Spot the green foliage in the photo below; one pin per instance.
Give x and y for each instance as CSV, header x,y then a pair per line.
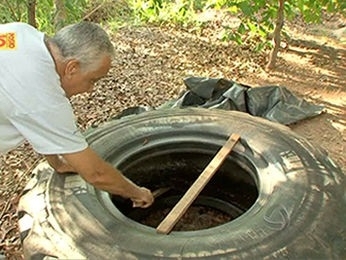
x,y
258,17
312,10
11,11
16,11
45,15
256,20
165,11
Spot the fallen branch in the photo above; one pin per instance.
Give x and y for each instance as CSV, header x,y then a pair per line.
x,y
92,11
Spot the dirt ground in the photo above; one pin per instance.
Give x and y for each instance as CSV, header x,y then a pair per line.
x,y
149,69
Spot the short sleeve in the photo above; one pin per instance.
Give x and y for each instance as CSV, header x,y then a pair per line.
x,y
51,131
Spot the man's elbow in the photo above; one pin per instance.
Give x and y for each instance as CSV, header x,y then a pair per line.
x,y
89,166
94,176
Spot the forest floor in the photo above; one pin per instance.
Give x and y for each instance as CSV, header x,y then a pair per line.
x,y
149,68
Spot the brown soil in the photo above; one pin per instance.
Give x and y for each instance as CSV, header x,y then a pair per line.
x,y
195,218
149,69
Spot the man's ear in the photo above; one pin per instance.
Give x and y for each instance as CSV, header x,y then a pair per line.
x,y
72,67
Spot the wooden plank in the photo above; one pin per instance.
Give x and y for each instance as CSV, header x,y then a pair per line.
x,y
180,208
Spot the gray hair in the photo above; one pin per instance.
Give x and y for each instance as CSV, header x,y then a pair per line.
x,y
86,42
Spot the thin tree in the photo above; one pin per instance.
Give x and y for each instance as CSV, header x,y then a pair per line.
x,y
276,36
32,12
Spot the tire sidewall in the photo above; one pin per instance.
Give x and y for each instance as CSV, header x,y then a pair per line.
x,y
292,178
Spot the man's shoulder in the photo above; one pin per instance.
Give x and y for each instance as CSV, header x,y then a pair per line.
x,y
20,29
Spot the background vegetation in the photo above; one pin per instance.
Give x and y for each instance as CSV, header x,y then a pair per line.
x,y
260,22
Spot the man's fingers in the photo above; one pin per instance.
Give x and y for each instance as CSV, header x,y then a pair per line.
x,y
136,204
145,199
141,204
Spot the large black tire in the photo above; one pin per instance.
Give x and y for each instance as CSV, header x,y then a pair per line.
x,y
299,212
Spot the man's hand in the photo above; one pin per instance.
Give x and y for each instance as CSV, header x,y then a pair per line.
x,y
145,200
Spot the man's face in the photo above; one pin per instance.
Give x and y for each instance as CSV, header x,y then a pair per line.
x,y
75,81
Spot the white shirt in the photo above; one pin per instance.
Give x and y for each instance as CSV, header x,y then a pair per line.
x,y
33,105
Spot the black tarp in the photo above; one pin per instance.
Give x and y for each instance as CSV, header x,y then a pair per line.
x,y
275,103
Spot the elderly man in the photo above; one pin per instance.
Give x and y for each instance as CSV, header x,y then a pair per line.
x,y
37,76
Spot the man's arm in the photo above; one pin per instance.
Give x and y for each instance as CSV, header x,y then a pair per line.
x,y
59,163
104,176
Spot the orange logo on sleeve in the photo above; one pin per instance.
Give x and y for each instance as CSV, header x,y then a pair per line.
x,y
8,41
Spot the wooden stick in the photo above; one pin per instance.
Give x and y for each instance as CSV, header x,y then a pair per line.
x,y
180,208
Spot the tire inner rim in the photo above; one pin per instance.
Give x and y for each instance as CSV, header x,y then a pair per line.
x,y
230,192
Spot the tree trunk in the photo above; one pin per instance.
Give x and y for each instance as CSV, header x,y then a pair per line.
x,y
276,36
60,14
32,12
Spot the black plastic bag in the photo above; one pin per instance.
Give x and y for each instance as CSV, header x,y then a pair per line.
x,y
274,103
